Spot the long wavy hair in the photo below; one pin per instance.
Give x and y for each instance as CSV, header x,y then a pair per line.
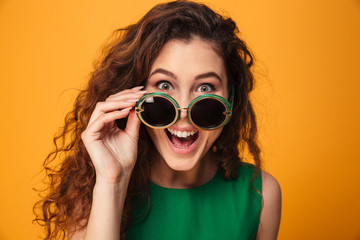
x,y
125,63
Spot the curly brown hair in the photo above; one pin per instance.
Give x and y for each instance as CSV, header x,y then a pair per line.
x,y
126,63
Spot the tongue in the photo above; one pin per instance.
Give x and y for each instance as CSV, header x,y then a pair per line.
x,y
182,142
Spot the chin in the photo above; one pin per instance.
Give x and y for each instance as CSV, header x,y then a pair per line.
x,y
180,165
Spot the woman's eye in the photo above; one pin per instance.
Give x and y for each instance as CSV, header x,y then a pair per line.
x,y
205,88
164,86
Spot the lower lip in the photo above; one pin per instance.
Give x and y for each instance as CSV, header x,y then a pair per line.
x,y
182,151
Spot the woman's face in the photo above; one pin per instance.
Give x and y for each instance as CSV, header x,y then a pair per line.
x,y
185,70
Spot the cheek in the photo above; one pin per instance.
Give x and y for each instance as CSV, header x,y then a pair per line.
x,y
155,135
212,136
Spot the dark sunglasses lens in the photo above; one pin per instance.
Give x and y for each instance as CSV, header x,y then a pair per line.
x,y
208,113
158,111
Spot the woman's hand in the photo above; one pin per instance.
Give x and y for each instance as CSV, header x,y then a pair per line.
x,y
113,151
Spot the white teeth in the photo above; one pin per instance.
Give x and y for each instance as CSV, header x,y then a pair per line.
x,y
181,134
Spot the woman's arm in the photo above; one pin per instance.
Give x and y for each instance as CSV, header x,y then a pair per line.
x,y
271,208
106,211
113,152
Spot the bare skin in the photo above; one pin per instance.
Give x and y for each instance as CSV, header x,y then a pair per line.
x,y
271,208
114,151
183,75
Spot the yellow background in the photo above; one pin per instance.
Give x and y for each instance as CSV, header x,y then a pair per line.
x,y
307,99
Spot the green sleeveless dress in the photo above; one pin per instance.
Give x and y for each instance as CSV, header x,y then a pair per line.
x,y
219,209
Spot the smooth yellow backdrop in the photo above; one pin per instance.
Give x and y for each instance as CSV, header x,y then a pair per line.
x,y
306,97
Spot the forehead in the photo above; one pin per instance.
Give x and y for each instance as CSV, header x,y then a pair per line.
x,y
186,59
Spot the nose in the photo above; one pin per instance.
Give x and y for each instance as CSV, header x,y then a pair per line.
x,y
183,113
184,103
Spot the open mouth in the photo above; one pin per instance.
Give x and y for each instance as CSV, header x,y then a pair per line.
x,y
182,139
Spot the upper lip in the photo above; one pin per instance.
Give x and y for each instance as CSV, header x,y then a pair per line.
x,y
182,133
183,129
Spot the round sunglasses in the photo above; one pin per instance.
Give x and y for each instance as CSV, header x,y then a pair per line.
x,y
206,112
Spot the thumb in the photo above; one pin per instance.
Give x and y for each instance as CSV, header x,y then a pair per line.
x,y
133,125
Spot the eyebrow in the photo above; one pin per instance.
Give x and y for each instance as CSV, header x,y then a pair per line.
x,y
163,71
172,75
209,74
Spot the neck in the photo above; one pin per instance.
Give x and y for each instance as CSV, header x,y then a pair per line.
x,y
201,173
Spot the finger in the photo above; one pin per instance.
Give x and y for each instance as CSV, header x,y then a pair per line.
x,y
133,125
106,107
130,98
102,120
128,95
134,91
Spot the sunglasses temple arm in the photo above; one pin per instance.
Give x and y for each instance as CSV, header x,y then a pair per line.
x,y
232,95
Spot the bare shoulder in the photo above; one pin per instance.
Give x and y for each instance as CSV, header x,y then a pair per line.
x,y
271,208
270,187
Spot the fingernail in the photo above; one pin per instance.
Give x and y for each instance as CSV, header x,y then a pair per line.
x,y
131,100
137,88
126,109
141,92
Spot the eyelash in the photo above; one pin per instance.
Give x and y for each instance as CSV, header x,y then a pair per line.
x,y
211,86
163,82
159,83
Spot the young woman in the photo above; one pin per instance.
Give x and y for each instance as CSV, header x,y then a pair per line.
x,y
155,137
